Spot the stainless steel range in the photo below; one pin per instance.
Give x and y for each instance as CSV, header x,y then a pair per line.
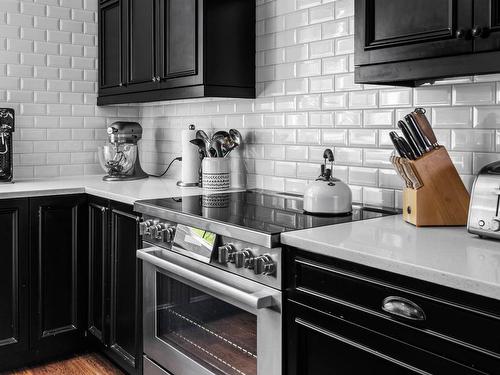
x,y
213,280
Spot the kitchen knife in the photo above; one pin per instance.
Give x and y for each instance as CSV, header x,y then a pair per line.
x,y
406,133
399,169
426,128
394,138
418,136
411,174
406,147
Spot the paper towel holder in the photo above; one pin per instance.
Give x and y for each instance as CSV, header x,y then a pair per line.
x,y
190,184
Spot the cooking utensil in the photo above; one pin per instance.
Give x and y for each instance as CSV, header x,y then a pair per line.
x,y
409,138
236,140
200,143
406,147
399,168
418,136
411,174
217,146
421,119
200,134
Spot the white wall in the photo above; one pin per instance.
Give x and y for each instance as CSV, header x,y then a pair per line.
x,y
306,101
48,74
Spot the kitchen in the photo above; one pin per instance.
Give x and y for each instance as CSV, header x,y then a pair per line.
x,y
326,219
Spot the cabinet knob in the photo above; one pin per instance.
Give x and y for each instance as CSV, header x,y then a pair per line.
x,y
154,79
158,79
461,34
121,84
477,31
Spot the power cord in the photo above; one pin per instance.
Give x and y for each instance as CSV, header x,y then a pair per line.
x,y
166,170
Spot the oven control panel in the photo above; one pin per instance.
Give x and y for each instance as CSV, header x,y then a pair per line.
x,y
254,262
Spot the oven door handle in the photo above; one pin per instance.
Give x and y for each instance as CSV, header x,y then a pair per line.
x,y
260,299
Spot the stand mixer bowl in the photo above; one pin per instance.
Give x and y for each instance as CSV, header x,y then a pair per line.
x,y
118,159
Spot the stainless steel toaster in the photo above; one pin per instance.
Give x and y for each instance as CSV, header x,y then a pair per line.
x,y
484,209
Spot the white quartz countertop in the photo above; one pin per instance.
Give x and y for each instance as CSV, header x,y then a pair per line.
x,y
447,256
122,191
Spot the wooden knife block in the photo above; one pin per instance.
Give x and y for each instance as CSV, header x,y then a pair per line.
x,y
443,199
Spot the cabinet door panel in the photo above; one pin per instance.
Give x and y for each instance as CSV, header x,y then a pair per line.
x,y
58,271
179,38
98,269
487,17
394,30
110,44
141,52
125,288
13,276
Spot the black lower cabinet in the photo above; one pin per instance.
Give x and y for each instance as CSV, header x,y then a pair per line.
x,y
343,318
69,280
115,293
14,220
58,274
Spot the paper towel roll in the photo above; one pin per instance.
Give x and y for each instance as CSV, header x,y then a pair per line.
x,y
190,157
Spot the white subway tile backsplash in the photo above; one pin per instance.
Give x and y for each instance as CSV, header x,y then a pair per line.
x,y
431,96
307,100
478,93
472,140
454,117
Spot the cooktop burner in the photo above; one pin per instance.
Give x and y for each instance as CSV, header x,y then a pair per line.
x,y
259,210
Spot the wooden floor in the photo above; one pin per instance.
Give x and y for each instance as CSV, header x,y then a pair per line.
x,y
85,364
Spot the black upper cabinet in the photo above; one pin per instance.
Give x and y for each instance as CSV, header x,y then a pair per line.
x,y
141,44
406,30
486,25
58,273
111,15
177,49
13,276
412,42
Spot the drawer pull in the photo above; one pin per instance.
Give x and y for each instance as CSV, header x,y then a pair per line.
x,y
403,308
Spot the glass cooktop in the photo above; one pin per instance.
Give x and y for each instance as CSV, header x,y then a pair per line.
x,y
261,210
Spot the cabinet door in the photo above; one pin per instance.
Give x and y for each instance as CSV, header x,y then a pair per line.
x,y
111,44
58,273
178,49
140,43
395,30
98,293
486,29
13,276
126,316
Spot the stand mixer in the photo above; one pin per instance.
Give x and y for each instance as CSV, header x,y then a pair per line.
x,y
120,157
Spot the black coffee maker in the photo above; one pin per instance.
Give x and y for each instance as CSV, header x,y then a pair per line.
x,y
6,129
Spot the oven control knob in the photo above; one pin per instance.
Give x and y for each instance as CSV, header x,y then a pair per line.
x,y
163,232
264,265
495,224
145,226
241,258
225,253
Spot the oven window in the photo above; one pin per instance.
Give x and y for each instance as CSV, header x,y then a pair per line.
x,y
216,334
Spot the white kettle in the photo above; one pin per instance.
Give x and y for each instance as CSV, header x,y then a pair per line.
x,y
328,195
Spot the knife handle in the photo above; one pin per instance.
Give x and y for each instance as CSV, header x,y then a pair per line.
x,y
425,126
406,147
419,137
394,138
411,174
399,168
409,139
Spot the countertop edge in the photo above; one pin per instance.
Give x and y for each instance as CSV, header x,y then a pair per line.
x,y
432,275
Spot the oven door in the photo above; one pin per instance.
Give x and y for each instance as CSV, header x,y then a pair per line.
x,y
200,320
